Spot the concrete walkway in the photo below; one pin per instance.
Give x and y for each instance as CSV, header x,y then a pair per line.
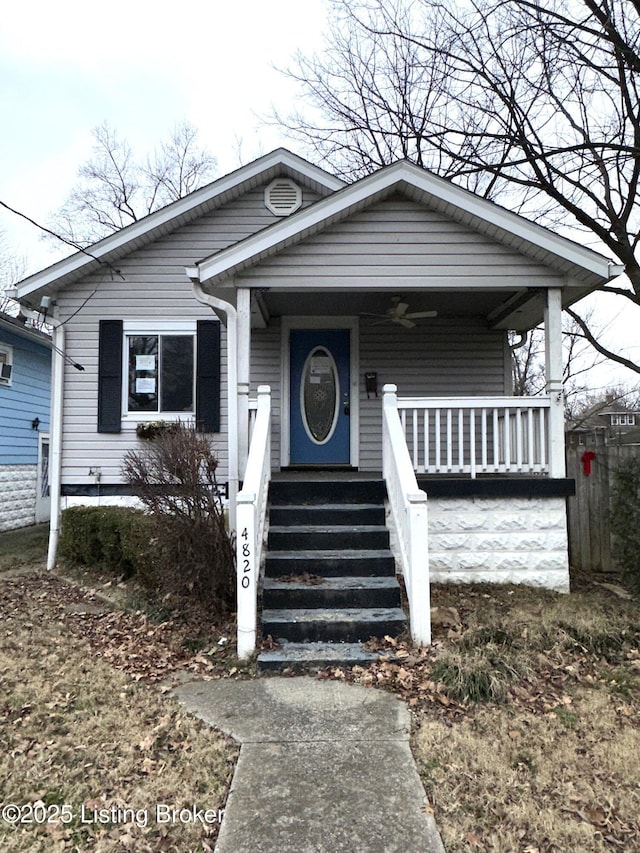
x,y
324,767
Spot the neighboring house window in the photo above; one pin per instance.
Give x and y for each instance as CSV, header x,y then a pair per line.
x,y
6,364
161,373
623,420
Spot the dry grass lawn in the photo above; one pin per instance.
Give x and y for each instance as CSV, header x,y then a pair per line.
x,y
527,718
526,715
511,780
81,727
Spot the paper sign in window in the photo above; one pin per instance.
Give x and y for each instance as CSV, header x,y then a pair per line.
x,y
145,385
145,362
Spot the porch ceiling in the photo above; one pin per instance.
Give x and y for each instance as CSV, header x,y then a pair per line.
x,y
499,309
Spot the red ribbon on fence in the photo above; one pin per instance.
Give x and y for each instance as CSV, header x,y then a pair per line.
x,y
587,458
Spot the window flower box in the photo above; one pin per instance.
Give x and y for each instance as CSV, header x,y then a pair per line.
x,y
149,430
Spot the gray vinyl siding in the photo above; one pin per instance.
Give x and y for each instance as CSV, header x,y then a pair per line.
x,y
266,370
434,359
151,285
397,241
386,244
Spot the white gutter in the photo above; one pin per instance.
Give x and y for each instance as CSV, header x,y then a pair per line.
x,y
232,384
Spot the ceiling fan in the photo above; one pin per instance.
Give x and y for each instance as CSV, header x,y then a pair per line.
x,y
399,313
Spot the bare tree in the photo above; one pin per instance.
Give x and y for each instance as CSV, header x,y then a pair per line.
x,y
12,269
528,362
115,189
535,103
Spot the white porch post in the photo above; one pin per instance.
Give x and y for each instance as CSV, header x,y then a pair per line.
x,y
243,308
553,372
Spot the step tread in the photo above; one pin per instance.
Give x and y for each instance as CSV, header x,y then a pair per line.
x,y
335,614
340,505
316,654
331,583
325,528
330,553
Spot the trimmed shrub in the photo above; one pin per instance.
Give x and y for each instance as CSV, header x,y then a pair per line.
x,y
115,538
625,519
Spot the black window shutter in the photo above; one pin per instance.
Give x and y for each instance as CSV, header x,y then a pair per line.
x,y
208,376
110,376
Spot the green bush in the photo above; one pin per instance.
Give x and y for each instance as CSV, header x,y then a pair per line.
x,y
115,538
625,519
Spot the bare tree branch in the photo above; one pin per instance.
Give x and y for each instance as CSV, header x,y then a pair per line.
x,y
115,189
533,103
595,343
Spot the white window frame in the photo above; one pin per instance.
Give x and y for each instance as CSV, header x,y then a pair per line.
x,y
623,419
7,351
157,328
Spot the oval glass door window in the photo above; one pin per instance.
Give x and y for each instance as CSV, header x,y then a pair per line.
x,y
319,395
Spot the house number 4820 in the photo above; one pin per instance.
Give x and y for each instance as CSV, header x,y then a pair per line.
x,y
246,559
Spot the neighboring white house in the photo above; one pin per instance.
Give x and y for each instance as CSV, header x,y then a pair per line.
x,y
281,275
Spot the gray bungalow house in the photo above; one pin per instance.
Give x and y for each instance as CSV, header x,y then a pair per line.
x,y
344,345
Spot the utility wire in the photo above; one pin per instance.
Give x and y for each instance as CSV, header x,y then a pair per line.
x,y
78,248
71,243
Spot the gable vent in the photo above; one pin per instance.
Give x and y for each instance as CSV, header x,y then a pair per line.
x,y
283,197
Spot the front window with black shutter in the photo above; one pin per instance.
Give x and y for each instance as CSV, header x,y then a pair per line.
x,y
160,373
145,370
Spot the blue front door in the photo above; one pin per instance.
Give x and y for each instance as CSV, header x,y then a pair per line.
x,y
319,396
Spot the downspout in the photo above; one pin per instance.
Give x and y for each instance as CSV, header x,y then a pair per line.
x,y
524,337
229,311
58,356
55,449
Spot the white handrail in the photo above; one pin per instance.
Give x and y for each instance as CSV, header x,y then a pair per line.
x,y
471,435
409,514
251,516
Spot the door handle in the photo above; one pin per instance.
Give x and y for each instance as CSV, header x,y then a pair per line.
x,y
345,405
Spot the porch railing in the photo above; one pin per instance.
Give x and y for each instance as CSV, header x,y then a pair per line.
x,y
409,514
476,435
250,520
253,411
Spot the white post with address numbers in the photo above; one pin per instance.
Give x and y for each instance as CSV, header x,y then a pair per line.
x,y
250,519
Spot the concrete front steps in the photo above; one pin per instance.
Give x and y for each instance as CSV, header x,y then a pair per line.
x,y
330,581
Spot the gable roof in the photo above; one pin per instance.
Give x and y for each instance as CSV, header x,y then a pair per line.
x,y
583,267
181,212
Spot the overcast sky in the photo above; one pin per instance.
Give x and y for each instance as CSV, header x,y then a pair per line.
x,y
68,66
141,66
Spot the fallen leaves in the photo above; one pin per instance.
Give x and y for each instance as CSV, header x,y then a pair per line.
x,y
75,730
148,651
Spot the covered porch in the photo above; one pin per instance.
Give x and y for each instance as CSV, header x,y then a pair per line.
x,y
450,365
410,439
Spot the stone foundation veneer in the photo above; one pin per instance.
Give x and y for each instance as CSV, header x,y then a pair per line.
x,y
499,540
18,484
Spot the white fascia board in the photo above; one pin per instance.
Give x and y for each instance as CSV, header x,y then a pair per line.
x,y
269,241
513,223
115,242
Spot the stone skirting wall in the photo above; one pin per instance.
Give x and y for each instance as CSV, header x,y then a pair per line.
x,y
18,484
499,540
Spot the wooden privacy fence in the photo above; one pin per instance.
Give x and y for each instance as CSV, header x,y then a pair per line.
x,y
592,460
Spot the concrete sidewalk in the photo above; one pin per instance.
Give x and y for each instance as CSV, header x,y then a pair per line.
x,y
324,767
